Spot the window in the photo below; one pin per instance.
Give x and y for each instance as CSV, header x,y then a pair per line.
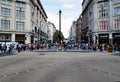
x,y
117,11
103,25
91,14
20,13
5,11
103,13
5,1
103,3
5,24
117,23
20,4
116,1
20,25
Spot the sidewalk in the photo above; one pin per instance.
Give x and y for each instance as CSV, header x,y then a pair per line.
x,y
17,53
37,52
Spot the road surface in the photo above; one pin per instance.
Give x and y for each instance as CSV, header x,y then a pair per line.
x,y
60,67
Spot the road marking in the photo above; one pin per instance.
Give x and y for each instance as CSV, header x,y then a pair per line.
x,y
17,73
27,71
99,71
110,73
5,75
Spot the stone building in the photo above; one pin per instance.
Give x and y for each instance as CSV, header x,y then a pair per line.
x,y
51,31
101,21
72,32
23,21
78,29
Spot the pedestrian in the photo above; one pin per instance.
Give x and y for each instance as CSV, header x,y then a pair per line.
x,y
101,47
1,47
18,48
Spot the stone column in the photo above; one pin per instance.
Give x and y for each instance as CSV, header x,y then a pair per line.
x,y
28,39
13,38
110,38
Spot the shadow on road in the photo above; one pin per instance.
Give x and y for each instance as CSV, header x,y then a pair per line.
x,y
116,54
2,55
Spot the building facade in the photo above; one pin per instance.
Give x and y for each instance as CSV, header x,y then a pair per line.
x,y
101,21
51,31
78,29
23,21
72,32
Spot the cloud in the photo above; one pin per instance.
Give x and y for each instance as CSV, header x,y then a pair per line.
x,y
68,6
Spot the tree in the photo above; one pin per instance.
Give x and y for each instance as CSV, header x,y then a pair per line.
x,y
57,36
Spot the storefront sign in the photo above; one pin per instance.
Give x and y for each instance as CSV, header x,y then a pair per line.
x,y
104,36
117,35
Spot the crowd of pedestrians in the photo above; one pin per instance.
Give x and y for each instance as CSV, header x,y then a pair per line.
x,y
103,47
11,48
6,48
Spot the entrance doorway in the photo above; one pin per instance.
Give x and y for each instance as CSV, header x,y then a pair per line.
x,y
20,38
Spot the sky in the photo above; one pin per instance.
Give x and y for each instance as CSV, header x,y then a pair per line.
x,y
71,10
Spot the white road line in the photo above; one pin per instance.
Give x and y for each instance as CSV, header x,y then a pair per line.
x,y
5,75
17,73
27,70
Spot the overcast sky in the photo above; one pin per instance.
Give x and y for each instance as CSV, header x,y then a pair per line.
x,y
71,9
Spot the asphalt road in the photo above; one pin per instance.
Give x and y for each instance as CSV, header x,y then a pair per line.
x,y
60,67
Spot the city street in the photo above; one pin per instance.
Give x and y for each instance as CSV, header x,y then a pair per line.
x,y
79,66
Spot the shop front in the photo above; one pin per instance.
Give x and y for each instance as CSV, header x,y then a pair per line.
x,y
103,38
5,37
20,38
116,38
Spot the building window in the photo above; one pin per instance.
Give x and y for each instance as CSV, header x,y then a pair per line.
x,y
5,1
5,24
103,25
117,11
20,25
103,13
20,13
103,3
5,11
117,23
20,4
116,1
